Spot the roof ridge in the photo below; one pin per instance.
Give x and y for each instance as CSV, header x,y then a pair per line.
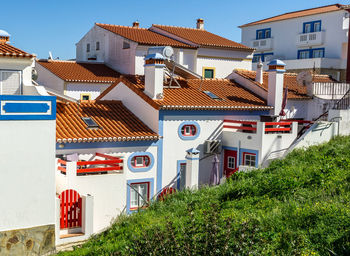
x,y
120,26
337,4
49,60
159,25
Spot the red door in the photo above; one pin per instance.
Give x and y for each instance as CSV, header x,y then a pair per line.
x,y
71,205
230,162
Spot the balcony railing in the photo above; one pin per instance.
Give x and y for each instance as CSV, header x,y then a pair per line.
x,y
110,163
251,126
263,44
310,39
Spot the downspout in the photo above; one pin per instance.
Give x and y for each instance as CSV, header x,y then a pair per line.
x,y
348,54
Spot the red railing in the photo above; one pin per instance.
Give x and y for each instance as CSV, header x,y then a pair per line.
x,y
110,163
278,127
60,167
244,126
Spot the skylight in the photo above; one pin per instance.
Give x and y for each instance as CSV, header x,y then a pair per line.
x,y
90,122
212,95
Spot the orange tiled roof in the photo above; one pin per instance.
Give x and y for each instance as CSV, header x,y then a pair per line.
x,y
72,71
143,36
116,123
295,91
202,37
7,50
297,14
191,95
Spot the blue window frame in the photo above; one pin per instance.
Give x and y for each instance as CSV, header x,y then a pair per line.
x,y
311,53
263,33
312,26
189,130
263,56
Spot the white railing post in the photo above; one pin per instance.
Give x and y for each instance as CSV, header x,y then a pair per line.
x,y
87,215
71,174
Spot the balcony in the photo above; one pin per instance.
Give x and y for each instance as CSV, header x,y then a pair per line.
x,y
310,39
263,44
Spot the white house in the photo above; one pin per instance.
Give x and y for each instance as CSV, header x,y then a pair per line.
x,y
81,81
305,40
27,162
124,48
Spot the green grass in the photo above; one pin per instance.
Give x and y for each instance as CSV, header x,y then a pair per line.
x,y
296,206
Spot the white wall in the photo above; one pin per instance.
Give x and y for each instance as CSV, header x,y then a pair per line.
x,y
75,90
145,112
20,64
48,79
224,61
27,183
109,190
284,34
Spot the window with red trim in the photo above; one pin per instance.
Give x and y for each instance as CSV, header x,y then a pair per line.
x,y
249,159
140,161
188,130
139,195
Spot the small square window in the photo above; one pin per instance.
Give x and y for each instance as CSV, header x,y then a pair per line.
x,y
209,72
188,130
97,46
85,96
231,162
88,48
140,161
126,45
249,159
303,54
90,122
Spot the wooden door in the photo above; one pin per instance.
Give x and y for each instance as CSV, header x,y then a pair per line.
x,y
230,162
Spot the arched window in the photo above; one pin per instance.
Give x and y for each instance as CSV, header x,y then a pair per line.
x,y
140,161
189,130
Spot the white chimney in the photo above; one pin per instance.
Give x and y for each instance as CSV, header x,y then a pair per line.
x,y
154,75
200,24
259,72
135,24
275,85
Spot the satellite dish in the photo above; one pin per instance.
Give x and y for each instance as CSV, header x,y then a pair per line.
x,y
165,51
304,78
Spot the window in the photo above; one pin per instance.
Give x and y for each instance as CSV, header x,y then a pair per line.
x,y
249,159
182,177
313,26
97,46
262,56
10,82
188,130
208,72
263,33
140,161
91,124
311,53
319,53
303,54
85,96
88,48
231,162
212,95
126,45
139,194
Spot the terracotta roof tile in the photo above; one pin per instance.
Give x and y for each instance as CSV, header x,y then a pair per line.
x,y
7,50
72,71
143,36
295,91
116,123
202,37
191,95
297,14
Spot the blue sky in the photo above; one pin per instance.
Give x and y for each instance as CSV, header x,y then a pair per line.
x,y
40,26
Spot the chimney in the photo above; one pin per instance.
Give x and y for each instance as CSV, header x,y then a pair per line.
x,y
4,36
200,24
259,72
275,85
135,24
154,75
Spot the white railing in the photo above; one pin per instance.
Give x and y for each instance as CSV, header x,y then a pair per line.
x,y
308,39
263,44
331,90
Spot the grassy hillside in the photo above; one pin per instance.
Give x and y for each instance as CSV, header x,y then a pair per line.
x,y
297,206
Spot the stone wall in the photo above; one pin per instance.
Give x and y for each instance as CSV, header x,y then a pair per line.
x,y
30,241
